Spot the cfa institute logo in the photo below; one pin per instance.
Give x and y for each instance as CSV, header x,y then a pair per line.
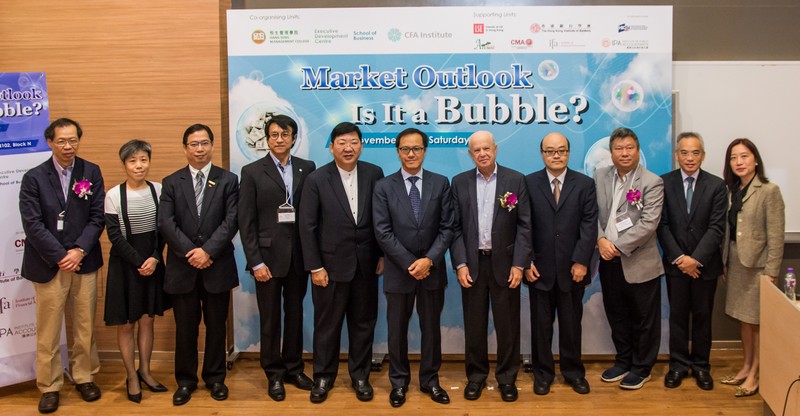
x,y
478,28
394,34
258,37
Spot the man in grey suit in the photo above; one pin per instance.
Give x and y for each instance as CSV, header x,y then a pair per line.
x,y
630,199
413,220
564,225
491,246
692,226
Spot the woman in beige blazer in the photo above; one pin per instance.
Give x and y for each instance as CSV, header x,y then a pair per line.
x,y
754,247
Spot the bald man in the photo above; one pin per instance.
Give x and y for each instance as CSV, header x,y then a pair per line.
x,y
490,249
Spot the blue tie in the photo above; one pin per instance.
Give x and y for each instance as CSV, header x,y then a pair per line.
x,y
414,196
689,194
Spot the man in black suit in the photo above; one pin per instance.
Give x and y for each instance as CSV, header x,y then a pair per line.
x,y
690,233
61,205
413,219
270,198
564,216
340,249
491,246
197,218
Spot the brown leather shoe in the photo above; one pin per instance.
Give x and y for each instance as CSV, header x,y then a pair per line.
x,y
89,391
48,402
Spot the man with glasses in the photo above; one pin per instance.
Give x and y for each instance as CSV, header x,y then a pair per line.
x,y
268,204
61,205
564,230
197,218
340,249
691,231
413,220
491,247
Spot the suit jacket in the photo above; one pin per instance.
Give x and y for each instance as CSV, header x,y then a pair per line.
x,y
41,200
511,241
402,240
264,239
563,234
760,228
213,230
697,234
330,237
640,257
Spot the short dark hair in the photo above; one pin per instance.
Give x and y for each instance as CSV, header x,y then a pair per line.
x,y
50,131
409,131
345,128
731,180
134,146
194,128
621,133
284,122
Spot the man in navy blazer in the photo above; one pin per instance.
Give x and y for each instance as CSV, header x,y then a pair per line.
x,y
270,198
564,216
691,237
340,250
197,218
491,247
61,205
414,228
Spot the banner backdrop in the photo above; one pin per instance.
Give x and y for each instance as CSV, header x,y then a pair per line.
x,y
519,72
24,115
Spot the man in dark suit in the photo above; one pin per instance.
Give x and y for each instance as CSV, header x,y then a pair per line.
x,y
197,218
564,216
629,199
691,231
340,249
413,219
270,198
61,205
490,248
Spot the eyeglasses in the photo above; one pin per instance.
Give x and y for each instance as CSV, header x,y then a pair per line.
x,y
551,153
283,135
62,143
694,153
195,145
416,149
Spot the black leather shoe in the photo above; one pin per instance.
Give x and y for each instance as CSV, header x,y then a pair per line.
x,y
509,392
320,390
437,394
673,378
398,396
136,398
473,390
49,402
299,380
89,391
275,391
541,388
363,390
579,385
704,380
219,391
158,388
182,395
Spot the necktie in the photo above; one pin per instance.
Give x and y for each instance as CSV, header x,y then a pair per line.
x,y
556,190
689,194
198,190
64,182
414,196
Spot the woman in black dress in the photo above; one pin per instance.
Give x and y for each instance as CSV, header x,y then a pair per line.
x,y
134,287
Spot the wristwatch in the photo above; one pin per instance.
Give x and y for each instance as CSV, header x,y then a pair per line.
x,y
83,252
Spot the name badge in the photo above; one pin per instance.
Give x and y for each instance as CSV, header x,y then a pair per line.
x,y
624,222
60,221
286,214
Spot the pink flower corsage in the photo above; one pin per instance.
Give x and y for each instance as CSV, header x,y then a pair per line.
x,y
82,188
508,201
634,197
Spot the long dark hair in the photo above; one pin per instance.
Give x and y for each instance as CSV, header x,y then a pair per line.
x,y
731,180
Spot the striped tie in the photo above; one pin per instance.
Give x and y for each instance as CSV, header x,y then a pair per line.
x,y
414,196
198,190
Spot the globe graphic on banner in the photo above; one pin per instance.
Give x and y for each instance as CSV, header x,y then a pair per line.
x,y
627,96
548,70
250,135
